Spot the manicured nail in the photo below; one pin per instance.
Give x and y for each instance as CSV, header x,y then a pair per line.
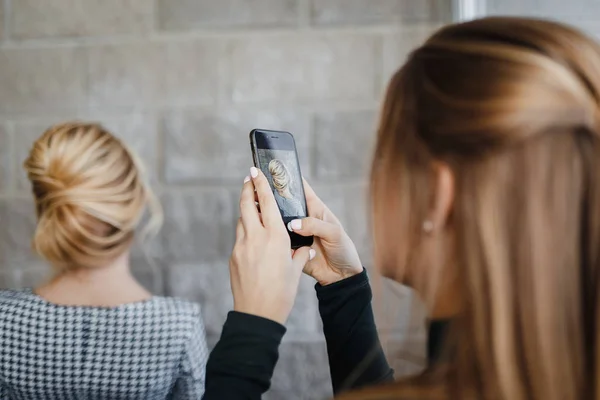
x,y
296,224
254,172
247,179
311,254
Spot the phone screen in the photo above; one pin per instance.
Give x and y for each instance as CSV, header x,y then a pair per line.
x,y
275,154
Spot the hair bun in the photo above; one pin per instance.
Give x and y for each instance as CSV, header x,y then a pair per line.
x,y
89,195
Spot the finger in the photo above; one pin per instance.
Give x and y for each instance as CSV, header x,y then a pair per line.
x,y
239,230
248,211
271,216
313,202
315,227
316,207
301,257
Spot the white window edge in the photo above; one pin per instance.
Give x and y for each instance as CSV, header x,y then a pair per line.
x,y
465,10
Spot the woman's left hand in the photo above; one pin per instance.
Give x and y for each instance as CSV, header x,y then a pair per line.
x,y
264,273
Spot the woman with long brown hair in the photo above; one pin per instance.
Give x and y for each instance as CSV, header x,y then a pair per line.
x,y
486,200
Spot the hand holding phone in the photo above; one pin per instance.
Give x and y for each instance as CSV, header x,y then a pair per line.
x,y
264,273
275,154
336,256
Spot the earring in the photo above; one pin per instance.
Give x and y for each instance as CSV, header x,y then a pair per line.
x,y
428,226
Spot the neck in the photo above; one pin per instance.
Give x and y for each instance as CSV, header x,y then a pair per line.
x,y
285,193
110,285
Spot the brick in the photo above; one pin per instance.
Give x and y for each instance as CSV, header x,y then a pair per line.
x,y
199,225
124,75
131,75
216,147
345,144
18,221
349,204
304,320
207,284
352,12
34,275
436,11
138,131
147,249
512,7
2,19
192,72
580,13
35,19
301,373
180,15
288,68
25,135
59,85
576,12
149,273
8,280
6,162
397,46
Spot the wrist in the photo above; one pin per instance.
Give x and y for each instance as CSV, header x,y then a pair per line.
x,y
271,315
340,276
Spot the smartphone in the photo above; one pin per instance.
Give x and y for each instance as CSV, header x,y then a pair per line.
x,y
274,152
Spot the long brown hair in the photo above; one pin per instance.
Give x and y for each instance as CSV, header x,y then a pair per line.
x,y
512,106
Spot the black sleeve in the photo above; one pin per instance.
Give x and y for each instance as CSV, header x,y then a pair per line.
x,y
241,364
356,358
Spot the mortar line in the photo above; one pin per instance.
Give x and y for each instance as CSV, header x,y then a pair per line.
x,y
232,34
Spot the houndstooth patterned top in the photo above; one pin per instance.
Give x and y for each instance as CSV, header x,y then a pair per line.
x,y
150,350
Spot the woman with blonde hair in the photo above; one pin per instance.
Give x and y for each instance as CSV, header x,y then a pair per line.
x,y
93,332
485,192
282,182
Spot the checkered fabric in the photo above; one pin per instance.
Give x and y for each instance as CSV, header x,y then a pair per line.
x,y
150,350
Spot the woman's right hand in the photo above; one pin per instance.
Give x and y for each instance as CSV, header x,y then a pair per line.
x,y
336,257
264,273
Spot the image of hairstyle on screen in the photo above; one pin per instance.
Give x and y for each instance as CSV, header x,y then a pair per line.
x,y
281,178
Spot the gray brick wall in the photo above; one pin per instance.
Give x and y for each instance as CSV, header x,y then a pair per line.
x,y
183,82
581,13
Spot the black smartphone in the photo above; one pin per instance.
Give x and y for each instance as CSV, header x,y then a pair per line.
x,y
274,152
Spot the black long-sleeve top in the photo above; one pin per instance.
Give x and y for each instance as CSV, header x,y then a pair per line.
x,y
242,363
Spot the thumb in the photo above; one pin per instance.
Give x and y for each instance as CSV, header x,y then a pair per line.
x,y
302,256
311,226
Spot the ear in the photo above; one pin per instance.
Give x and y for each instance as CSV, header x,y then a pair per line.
x,y
443,195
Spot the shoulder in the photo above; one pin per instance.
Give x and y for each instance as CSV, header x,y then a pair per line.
x,y
187,317
177,303
10,298
18,307
181,309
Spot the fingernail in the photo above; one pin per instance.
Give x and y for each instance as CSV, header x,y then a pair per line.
x,y
296,224
254,172
311,254
247,179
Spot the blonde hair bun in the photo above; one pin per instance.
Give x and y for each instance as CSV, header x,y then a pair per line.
x,y
280,175
89,195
